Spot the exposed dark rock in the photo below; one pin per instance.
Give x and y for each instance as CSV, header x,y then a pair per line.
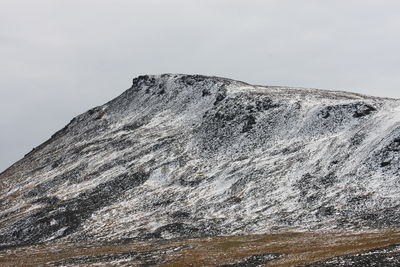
x,y
363,110
175,230
255,260
205,92
387,256
249,122
180,214
221,95
385,163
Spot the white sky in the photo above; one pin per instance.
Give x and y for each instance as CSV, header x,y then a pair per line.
x,y
59,58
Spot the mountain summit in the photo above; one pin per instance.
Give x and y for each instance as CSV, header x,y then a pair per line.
x,y
183,156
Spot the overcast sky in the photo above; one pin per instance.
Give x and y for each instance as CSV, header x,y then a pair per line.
x,y
60,58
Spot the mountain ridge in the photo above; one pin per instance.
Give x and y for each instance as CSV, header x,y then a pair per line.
x,y
182,156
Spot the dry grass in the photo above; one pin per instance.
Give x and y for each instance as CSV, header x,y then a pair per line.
x,y
298,248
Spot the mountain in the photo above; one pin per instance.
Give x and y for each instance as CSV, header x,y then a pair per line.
x,y
185,156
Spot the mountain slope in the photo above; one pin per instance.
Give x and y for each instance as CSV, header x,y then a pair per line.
x,y
187,156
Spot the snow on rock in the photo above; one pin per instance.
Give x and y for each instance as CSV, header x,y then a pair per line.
x,y
189,155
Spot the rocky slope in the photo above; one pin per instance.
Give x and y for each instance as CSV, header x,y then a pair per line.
x,y
178,156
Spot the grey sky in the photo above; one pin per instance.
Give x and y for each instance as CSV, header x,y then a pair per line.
x,y
60,58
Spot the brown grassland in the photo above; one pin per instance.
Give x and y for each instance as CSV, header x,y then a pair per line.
x,y
297,249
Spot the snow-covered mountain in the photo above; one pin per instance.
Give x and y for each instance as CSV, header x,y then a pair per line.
x,y
189,155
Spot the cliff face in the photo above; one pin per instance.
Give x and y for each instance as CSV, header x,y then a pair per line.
x,y
188,156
